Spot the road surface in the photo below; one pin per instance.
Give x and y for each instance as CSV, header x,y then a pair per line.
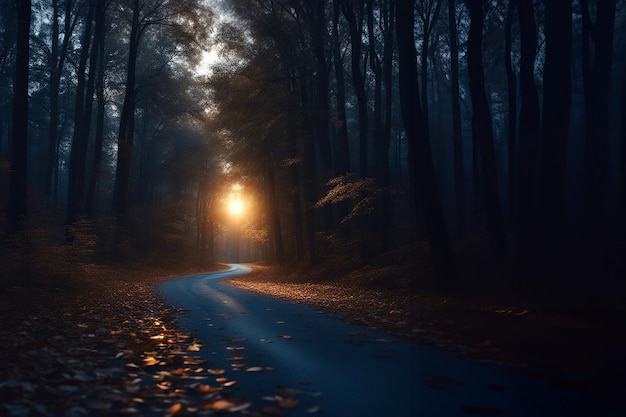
x,y
342,370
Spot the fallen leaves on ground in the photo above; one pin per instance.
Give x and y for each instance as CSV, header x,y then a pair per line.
x,y
115,351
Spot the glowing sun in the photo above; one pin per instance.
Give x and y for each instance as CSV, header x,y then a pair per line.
x,y
235,207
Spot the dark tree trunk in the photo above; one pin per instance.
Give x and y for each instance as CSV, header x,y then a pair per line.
x,y
78,154
597,159
355,24
529,130
309,162
482,130
275,229
389,24
17,210
429,19
100,111
459,173
127,126
420,155
57,63
557,100
511,80
321,80
342,149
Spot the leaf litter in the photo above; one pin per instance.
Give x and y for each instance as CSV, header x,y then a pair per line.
x,y
113,351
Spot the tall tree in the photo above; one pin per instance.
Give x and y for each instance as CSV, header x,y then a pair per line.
x,y
557,101
342,149
17,209
511,81
482,129
598,84
82,117
420,155
428,11
354,13
457,134
529,129
58,55
127,121
98,61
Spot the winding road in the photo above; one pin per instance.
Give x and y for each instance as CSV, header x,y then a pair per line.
x,y
338,369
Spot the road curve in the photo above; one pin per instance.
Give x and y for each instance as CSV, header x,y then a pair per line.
x,y
345,370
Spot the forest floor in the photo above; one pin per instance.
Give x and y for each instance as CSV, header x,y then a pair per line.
x,y
107,345
543,341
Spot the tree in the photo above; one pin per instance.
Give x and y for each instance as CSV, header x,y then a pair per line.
x,y
188,31
354,12
425,182
529,129
127,121
82,119
555,123
17,210
428,11
597,79
482,130
457,135
512,108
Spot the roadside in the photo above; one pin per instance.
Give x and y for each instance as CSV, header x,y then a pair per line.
x,y
549,344
106,347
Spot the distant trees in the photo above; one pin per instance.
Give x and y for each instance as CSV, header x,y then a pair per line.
x,y
365,129
521,141
65,77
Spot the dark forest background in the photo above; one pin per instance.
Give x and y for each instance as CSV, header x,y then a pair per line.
x,y
480,143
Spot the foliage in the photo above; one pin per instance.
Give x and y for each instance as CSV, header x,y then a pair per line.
x,y
359,192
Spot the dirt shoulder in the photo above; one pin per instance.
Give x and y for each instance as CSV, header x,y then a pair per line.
x,y
587,342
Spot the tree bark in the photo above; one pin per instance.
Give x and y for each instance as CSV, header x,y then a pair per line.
x,y
511,80
457,134
597,159
529,130
420,155
355,24
17,210
275,229
78,154
482,130
100,111
557,100
127,125
57,63
343,151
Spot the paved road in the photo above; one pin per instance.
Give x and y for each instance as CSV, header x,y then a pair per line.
x,y
344,370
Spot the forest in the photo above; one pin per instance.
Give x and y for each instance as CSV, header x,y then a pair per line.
x,y
478,143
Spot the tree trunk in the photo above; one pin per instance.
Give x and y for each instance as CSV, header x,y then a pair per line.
x,y
78,154
457,134
275,229
17,210
511,80
321,81
127,126
482,130
355,24
557,100
529,130
343,151
100,112
420,155
597,159
57,63
429,19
